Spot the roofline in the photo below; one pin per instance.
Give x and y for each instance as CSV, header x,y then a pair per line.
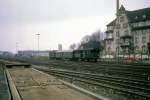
x,y
138,9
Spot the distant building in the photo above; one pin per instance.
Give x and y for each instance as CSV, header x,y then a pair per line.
x,y
1,52
59,47
129,32
31,53
6,53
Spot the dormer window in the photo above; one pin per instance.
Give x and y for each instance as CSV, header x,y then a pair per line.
x,y
144,16
136,17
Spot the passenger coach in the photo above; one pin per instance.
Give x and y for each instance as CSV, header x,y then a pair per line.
x,y
82,54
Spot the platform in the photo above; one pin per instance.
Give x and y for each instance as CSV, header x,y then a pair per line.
x,y
4,87
33,85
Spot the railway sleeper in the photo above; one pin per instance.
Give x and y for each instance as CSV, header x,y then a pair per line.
x,y
136,88
128,91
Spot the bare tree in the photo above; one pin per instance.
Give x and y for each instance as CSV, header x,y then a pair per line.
x,y
85,39
73,46
92,41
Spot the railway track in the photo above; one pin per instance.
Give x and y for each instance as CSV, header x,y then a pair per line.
x,y
125,85
111,71
137,72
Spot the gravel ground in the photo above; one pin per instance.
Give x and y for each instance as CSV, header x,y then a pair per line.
x,y
33,85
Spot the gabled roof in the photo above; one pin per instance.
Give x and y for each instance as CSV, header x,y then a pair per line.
x,y
112,23
134,16
122,9
138,15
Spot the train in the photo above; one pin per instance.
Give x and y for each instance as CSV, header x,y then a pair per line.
x,y
76,55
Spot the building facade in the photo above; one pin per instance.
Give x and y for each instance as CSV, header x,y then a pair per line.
x,y
128,33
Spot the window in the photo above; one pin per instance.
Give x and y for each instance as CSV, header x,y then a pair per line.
x,y
143,39
145,32
144,49
141,23
109,49
109,42
117,41
147,22
126,32
121,18
136,40
136,33
110,28
109,35
117,34
118,26
136,24
125,25
136,48
117,49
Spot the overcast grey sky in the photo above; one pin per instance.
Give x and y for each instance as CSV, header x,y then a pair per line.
x,y
58,21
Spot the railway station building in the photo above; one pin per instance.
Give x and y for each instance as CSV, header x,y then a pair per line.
x,y
128,33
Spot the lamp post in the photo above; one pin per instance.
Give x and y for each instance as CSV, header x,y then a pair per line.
x,y
38,37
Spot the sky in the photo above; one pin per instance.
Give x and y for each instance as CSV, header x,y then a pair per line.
x,y
57,21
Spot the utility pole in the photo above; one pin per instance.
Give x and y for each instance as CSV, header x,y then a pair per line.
x,y
38,35
16,47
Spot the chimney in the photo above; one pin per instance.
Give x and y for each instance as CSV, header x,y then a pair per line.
x,y
60,47
117,6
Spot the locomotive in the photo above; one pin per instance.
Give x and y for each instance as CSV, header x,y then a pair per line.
x,y
76,55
